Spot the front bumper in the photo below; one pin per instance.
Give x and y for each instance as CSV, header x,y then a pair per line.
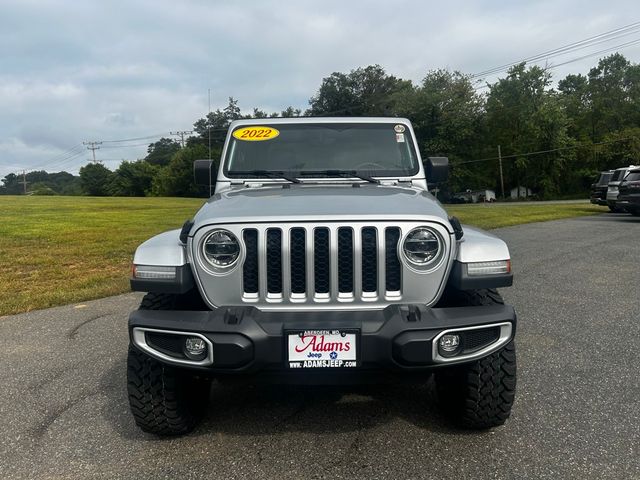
x,y
628,201
248,340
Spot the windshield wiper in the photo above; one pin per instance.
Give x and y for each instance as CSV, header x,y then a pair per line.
x,y
276,174
342,174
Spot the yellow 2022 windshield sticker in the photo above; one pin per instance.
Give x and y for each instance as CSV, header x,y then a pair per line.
x,y
255,134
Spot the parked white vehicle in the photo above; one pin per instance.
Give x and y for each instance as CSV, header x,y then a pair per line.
x,y
321,257
614,185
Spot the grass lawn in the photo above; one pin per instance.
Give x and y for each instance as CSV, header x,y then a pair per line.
x,y
60,250
508,214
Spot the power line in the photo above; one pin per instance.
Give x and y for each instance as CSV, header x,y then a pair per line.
x,y
67,162
76,150
594,40
181,134
539,152
60,162
593,54
138,138
61,156
624,45
127,146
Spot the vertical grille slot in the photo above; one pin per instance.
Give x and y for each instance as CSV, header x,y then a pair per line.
x,y
274,260
321,260
369,260
250,268
393,270
298,264
345,260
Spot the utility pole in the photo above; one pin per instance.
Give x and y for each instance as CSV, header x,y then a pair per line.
x,y
24,181
501,176
181,134
209,134
209,123
93,146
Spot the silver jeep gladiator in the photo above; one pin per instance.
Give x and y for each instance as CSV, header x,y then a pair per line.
x,y
321,258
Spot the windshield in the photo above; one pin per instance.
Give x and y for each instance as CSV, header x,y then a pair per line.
x,y
632,177
604,178
617,175
383,149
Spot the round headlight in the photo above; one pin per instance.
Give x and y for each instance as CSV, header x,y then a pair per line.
x,y
221,248
422,246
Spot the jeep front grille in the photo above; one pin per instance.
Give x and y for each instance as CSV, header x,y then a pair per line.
x,y
321,263
307,265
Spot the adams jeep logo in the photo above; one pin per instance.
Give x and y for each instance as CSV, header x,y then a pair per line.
x,y
319,343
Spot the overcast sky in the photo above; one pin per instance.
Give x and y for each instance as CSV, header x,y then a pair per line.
x,y
72,71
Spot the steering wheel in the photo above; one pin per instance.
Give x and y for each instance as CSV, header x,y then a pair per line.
x,y
371,164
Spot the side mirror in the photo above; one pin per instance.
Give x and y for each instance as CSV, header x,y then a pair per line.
x,y
437,169
202,172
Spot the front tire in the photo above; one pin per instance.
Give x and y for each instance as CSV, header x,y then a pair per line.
x,y
479,394
164,400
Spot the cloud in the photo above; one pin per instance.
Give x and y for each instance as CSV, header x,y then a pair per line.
x,y
14,92
74,71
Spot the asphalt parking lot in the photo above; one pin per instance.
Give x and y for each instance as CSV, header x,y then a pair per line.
x,y
64,412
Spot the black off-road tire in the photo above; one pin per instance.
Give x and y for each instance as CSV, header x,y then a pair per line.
x,y
164,400
480,394
158,301
168,301
470,298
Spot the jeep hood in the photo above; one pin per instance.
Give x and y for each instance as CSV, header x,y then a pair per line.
x,y
320,203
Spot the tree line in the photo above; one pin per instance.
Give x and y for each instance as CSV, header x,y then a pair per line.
x,y
553,139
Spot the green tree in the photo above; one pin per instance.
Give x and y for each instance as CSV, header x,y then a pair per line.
x,y
365,91
290,112
62,183
160,152
524,115
214,127
40,188
574,98
447,116
10,185
620,148
176,179
610,104
95,179
133,179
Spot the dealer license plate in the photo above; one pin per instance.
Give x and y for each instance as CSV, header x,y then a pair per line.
x,y
322,349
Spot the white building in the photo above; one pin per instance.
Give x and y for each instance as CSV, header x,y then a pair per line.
x,y
520,192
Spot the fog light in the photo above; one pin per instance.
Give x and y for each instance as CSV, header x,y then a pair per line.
x,y
449,345
195,348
